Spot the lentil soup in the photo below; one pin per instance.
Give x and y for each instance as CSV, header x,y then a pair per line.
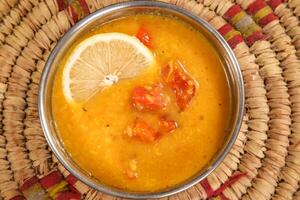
x,y
156,129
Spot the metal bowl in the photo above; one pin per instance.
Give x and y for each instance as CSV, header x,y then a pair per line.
x,y
115,11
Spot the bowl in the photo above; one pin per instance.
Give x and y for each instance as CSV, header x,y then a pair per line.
x,y
112,12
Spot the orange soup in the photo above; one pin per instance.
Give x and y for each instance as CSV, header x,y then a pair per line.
x,y
158,128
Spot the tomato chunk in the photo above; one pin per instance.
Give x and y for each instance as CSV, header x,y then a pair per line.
x,y
142,131
144,36
149,98
166,124
181,83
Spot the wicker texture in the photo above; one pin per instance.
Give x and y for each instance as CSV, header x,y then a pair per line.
x,y
265,160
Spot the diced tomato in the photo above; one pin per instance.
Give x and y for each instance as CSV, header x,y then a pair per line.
x,y
166,124
181,83
144,36
149,98
142,131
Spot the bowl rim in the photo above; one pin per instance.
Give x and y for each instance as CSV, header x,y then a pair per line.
x,y
111,190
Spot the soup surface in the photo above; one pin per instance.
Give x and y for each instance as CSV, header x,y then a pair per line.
x,y
100,133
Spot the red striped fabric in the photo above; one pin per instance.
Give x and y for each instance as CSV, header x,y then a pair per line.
x,y
51,179
229,182
267,19
233,42
68,195
256,6
219,192
76,9
274,3
84,7
258,35
232,11
225,29
28,183
62,4
208,189
72,13
71,179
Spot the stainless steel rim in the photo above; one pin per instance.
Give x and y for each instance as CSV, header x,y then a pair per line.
x,y
102,188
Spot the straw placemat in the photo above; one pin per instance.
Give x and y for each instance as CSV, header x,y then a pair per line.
x,y
265,160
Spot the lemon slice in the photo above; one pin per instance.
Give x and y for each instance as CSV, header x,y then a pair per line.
x,y
100,61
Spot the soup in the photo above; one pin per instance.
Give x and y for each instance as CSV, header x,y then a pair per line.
x,y
132,142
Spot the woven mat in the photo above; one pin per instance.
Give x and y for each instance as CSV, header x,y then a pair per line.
x,y
265,160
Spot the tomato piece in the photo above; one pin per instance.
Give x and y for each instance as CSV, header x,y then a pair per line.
x,y
142,131
181,83
149,98
166,124
144,36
